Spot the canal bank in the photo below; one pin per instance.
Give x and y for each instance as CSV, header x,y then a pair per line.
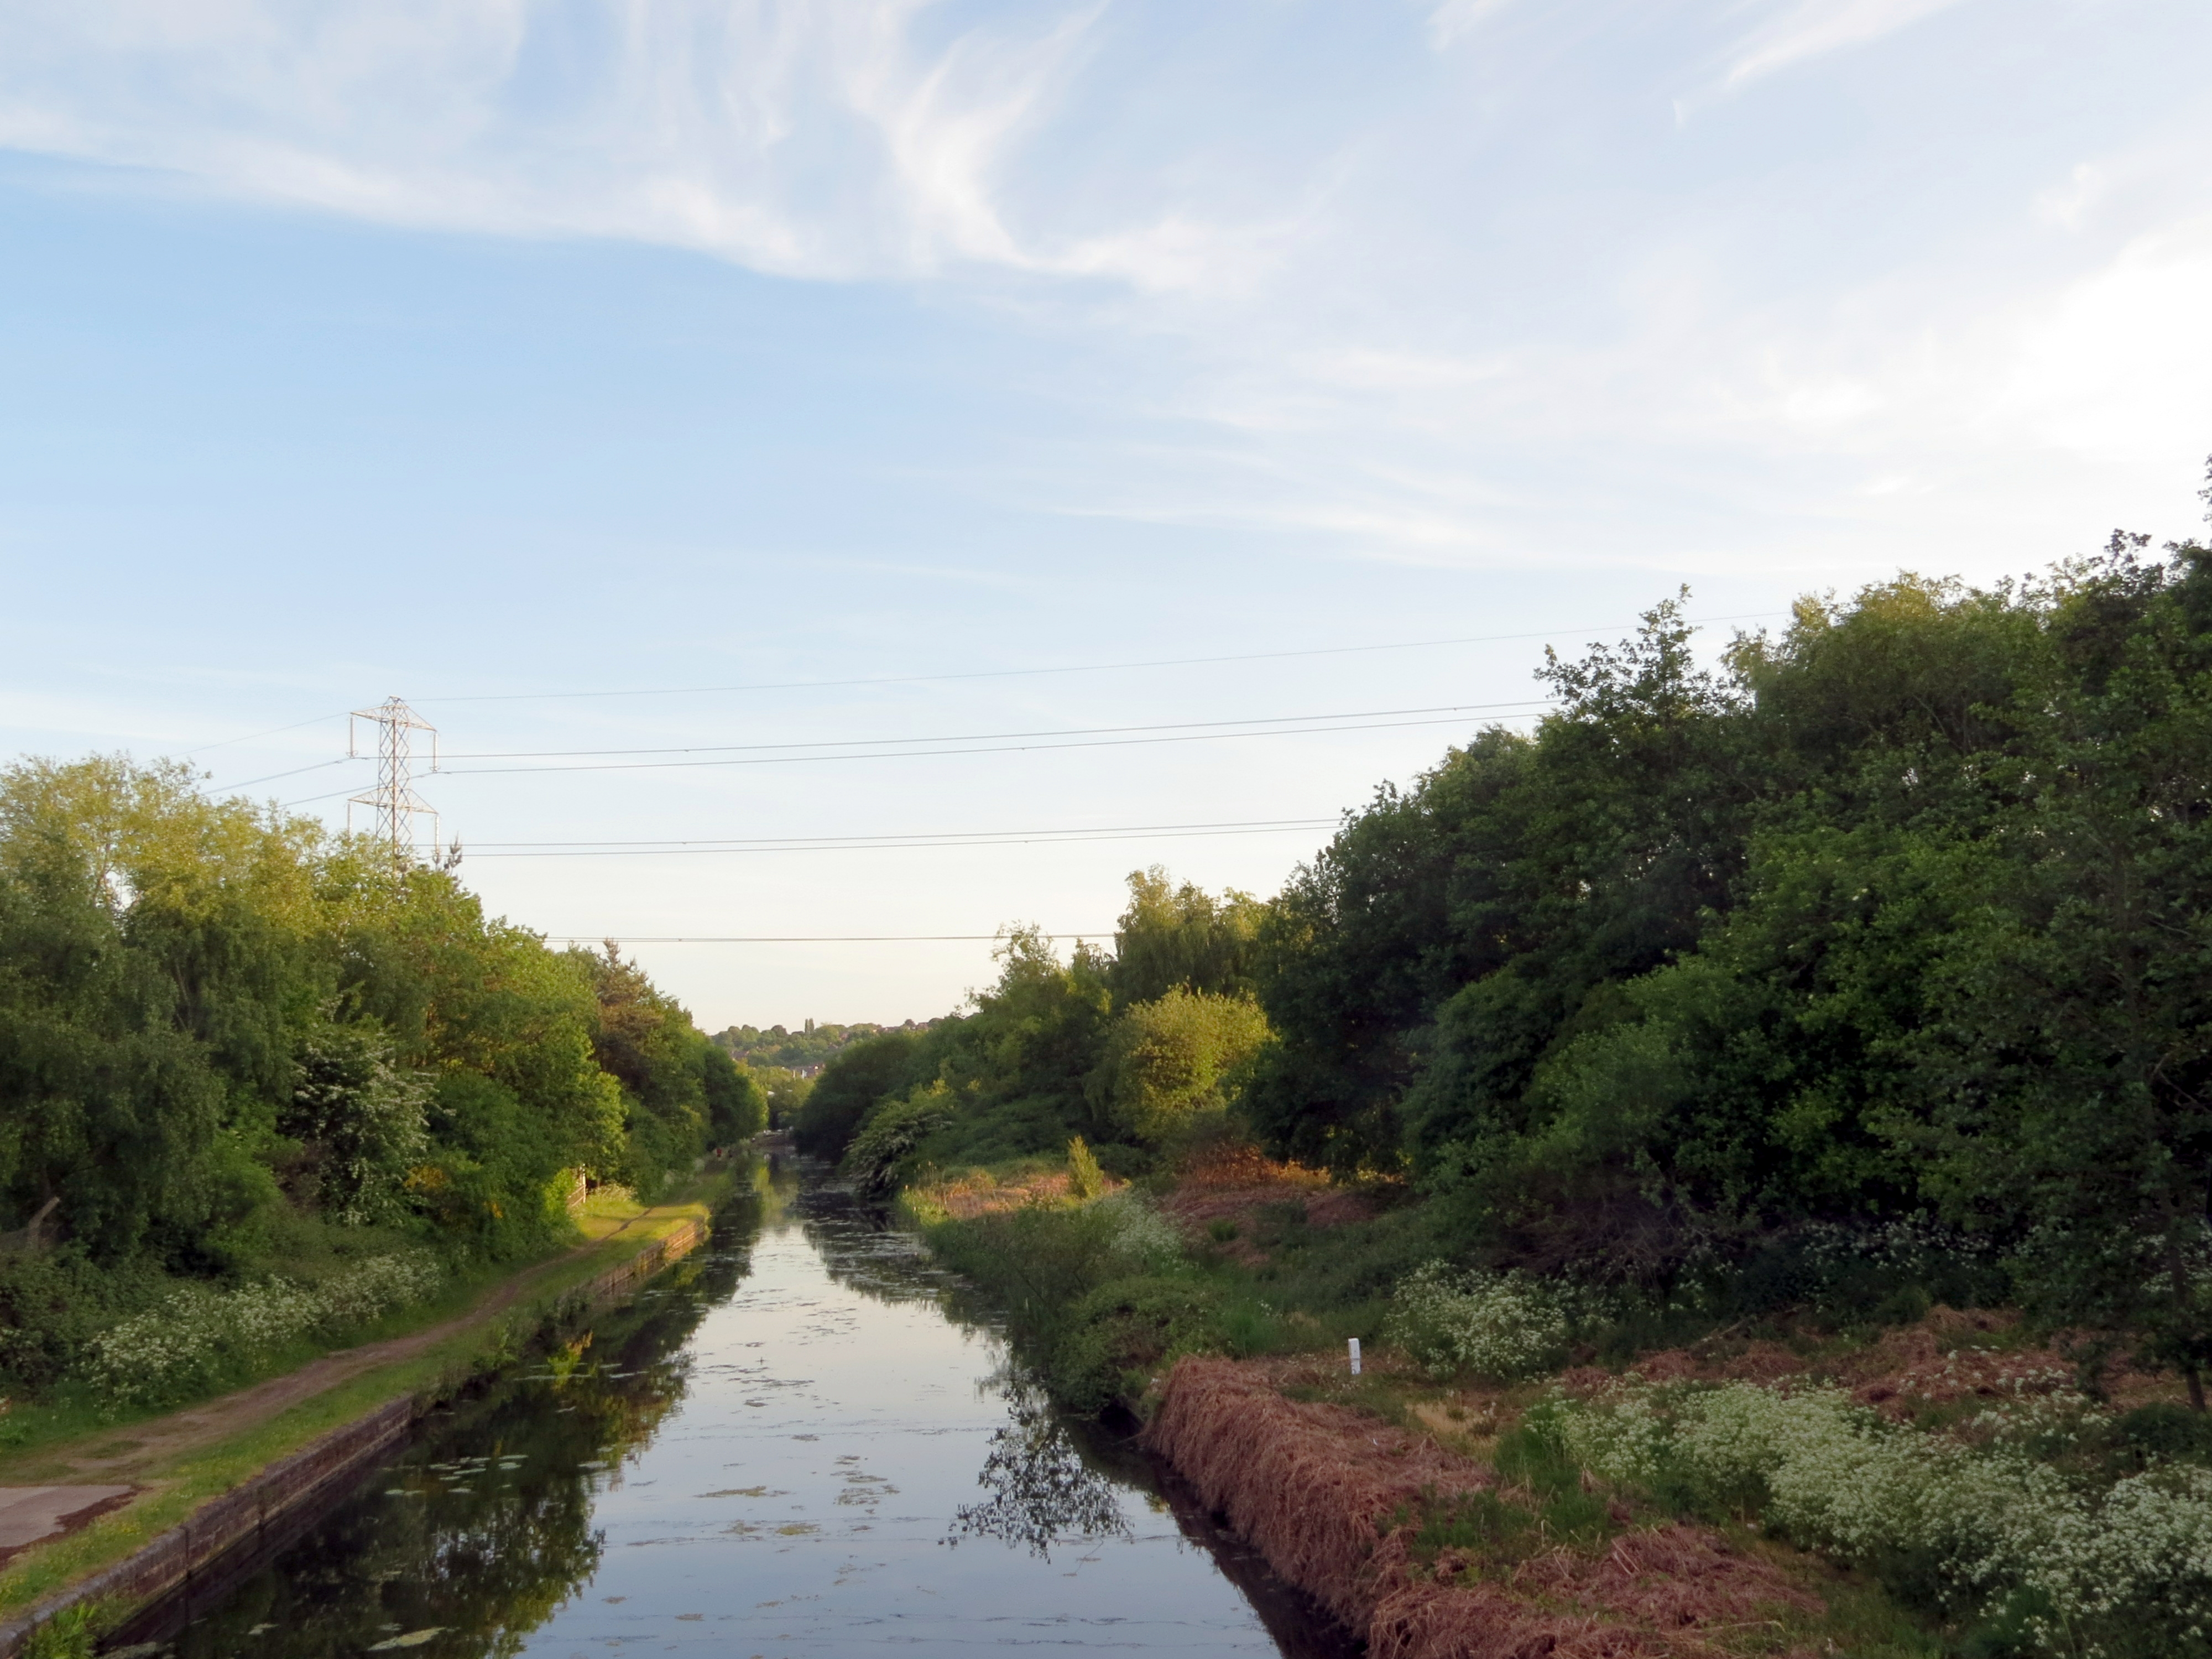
x,y
207,1481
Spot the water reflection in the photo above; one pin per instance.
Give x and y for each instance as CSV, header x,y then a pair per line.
x,y
766,1455
1043,1492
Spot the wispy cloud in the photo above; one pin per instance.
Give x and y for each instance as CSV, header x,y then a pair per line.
x,y
838,138
1455,20
1403,322
1814,28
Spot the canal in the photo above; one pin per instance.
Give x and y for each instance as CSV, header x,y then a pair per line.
x,y
804,1440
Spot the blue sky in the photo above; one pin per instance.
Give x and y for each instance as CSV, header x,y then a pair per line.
x,y
476,351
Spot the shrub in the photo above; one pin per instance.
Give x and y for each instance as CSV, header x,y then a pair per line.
x,y
2063,1564
876,1161
1129,1327
855,1079
1085,1179
1500,1325
197,1336
1169,1063
1140,1232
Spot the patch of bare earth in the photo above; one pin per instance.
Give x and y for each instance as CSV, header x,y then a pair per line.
x,y
1323,1492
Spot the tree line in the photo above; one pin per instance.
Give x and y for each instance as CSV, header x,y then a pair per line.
x,y
232,1042
1897,923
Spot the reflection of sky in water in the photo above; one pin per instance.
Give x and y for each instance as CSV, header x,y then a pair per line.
x,y
802,1494
795,1469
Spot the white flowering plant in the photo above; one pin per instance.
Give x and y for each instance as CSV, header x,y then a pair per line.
x,y
1452,1320
197,1335
1140,1232
2058,1560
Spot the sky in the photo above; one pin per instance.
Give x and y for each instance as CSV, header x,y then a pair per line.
x,y
943,420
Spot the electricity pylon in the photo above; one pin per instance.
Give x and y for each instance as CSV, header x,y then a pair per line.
x,y
393,805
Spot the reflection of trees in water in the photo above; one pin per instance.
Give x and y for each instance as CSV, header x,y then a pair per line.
x,y
484,1554
1043,1490
861,1247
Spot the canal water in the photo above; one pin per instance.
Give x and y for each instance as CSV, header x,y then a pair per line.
x,y
804,1440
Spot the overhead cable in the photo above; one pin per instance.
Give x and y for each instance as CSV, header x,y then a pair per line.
x,y
1066,668
1000,737
892,843
902,834
804,939
991,749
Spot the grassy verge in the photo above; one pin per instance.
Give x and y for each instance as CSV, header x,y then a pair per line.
x,y
1104,1297
615,1229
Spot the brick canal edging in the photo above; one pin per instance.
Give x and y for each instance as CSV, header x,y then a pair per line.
x,y
261,1502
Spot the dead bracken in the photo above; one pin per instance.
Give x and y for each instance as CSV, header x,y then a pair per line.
x,y
1330,1497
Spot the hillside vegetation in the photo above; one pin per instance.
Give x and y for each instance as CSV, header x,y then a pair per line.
x,y
262,1090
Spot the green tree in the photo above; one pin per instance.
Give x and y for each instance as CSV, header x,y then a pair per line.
x,y
850,1086
1174,936
1168,1063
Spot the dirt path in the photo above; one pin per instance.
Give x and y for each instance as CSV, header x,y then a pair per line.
x,y
133,1454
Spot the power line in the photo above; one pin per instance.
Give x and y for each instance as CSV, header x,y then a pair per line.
x,y
1008,743
891,843
995,748
1068,668
980,674
907,834
201,749
1002,737
271,777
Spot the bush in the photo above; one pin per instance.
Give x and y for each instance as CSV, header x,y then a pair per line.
x,y
1129,1329
2064,1564
1169,1063
1094,1292
53,1303
197,1337
1085,1179
877,1163
1499,1325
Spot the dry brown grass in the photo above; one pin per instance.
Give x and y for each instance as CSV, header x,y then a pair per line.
x,y
962,1198
1229,1182
1322,1491
1941,1359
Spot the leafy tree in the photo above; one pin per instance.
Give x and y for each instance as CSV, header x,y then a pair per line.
x,y
230,1042
850,1086
1168,1063
1174,936
786,1091
361,1117
646,1042
737,1104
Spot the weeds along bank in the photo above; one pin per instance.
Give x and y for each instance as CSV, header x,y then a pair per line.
x,y
1512,1473
265,1093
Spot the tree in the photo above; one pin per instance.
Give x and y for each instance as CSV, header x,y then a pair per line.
x,y
1168,1063
850,1086
1173,936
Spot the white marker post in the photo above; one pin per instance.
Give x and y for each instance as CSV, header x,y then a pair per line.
x,y
1353,1343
